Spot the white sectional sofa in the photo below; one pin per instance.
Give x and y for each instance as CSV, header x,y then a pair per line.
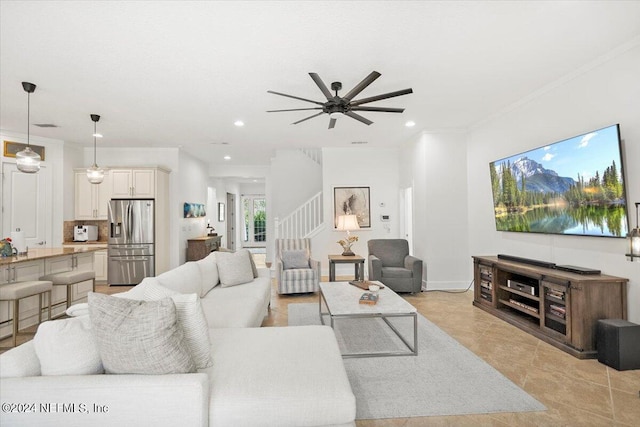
x,y
280,376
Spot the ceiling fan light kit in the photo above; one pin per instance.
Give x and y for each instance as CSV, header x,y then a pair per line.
x,y
337,106
27,160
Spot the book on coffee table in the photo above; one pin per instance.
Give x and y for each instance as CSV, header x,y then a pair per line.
x,y
368,298
364,284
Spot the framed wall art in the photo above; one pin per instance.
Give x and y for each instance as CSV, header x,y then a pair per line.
x,y
352,201
11,148
194,210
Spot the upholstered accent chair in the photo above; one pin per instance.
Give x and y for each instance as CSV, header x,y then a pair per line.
x,y
390,263
296,272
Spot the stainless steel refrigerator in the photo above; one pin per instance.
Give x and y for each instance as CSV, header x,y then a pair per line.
x,y
131,241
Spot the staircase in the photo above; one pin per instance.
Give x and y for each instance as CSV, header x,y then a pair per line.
x,y
306,221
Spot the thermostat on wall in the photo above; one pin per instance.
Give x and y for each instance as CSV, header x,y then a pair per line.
x,y
385,217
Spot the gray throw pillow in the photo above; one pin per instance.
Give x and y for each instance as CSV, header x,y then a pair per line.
x,y
295,259
138,337
234,268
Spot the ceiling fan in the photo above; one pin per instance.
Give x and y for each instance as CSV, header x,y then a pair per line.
x,y
338,105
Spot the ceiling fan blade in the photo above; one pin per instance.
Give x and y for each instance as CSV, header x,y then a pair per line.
x,y
332,123
294,97
295,109
310,117
379,109
360,86
358,117
383,96
316,78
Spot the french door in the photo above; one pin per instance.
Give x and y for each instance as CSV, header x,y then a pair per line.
x,y
254,218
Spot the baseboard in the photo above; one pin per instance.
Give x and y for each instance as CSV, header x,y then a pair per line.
x,y
453,285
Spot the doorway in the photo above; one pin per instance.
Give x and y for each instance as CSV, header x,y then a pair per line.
x,y
254,221
26,204
231,221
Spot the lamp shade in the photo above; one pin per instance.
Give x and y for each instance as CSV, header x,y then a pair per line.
x,y
347,222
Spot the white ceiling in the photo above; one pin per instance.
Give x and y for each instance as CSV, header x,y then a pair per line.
x,y
167,74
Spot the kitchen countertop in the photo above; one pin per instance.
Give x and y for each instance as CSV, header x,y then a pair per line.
x,y
94,242
43,253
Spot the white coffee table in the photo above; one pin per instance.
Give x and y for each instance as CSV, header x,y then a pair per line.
x,y
342,302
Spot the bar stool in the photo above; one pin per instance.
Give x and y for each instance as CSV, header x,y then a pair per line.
x,y
70,278
19,290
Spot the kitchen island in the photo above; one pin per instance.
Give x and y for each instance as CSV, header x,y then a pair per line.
x,y
37,263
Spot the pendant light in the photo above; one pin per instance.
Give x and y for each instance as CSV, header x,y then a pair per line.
x,y
95,175
27,160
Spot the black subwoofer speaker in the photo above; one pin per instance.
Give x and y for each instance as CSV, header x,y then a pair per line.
x,y
618,343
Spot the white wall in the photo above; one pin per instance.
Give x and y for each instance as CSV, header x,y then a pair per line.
x,y
606,92
296,177
434,165
377,168
192,184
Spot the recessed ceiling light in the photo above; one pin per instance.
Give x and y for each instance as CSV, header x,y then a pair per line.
x,y
97,135
227,157
239,123
410,124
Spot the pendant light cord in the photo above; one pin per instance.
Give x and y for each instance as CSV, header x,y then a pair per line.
x,y
95,129
28,116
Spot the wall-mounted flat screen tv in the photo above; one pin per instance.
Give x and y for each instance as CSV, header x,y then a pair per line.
x,y
571,187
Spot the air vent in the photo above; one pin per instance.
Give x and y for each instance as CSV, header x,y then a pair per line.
x,y
359,142
45,125
219,143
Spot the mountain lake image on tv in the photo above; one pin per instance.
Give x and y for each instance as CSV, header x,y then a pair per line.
x,y
571,187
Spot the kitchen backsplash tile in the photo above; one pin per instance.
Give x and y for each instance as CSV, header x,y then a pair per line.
x,y
103,229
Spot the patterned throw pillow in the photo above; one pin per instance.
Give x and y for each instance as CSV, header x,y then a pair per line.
x,y
190,319
295,259
138,337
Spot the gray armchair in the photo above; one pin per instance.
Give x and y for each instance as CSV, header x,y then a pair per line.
x,y
391,264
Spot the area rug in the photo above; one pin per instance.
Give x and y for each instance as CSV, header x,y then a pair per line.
x,y
444,379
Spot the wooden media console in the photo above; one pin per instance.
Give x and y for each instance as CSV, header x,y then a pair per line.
x,y
559,307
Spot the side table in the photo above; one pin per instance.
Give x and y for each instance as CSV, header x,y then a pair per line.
x,y
357,260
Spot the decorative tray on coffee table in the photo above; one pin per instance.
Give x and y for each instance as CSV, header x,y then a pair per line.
x,y
364,284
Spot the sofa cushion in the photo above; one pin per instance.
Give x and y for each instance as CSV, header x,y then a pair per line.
x,y
209,272
295,259
396,272
20,361
242,306
190,319
185,279
234,268
292,376
138,337
67,347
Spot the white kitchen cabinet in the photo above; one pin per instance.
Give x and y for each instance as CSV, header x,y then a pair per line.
x,y
100,266
91,200
133,183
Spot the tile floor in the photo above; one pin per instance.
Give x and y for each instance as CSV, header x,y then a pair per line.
x,y
576,392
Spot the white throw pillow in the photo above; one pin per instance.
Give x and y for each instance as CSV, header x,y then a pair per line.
x,y
209,273
67,347
190,319
20,361
139,337
234,268
77,310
